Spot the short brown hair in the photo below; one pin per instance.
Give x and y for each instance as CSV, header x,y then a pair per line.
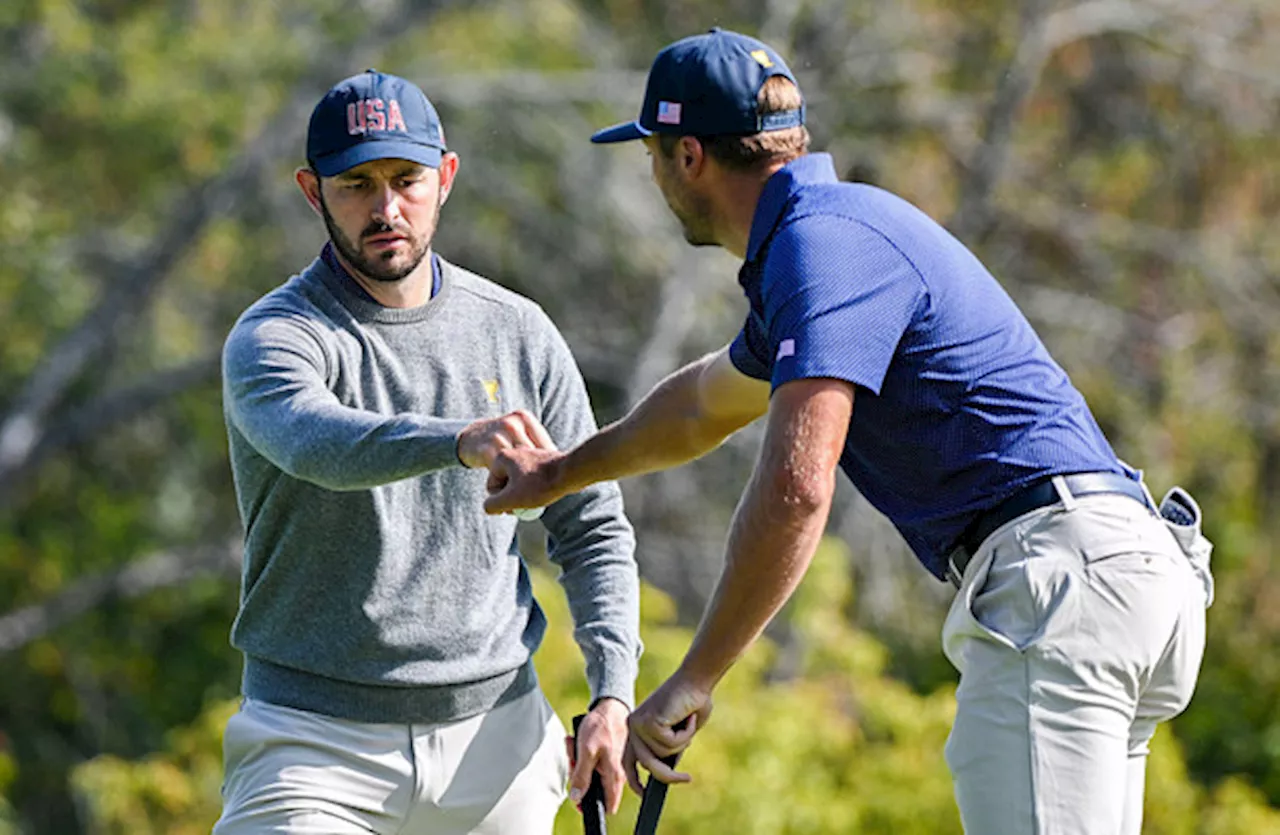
x,y
746,151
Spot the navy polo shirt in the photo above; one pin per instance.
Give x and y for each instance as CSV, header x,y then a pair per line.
x,y
958,403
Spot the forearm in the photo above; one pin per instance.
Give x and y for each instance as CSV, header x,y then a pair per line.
x,y
340,448
669,427
594,545
277,396
605,602
590,539
772,540
777,525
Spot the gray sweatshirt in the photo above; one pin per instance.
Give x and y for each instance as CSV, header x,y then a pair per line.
x,y
374,587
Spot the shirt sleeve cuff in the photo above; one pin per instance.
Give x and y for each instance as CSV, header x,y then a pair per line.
x,y
446,454
613,676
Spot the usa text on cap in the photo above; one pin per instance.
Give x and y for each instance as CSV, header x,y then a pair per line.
x,y
373,116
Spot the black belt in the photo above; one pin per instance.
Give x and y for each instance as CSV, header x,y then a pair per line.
x,y
1041,494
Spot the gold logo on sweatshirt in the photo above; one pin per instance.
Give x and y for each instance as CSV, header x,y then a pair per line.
x,y
490,389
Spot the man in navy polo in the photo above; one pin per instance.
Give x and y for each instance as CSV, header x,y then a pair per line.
x,y
876,342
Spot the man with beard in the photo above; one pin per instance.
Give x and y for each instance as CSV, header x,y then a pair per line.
x,y
878,344
387,622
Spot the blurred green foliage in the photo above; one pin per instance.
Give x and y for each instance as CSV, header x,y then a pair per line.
x,y
1134,221
841,749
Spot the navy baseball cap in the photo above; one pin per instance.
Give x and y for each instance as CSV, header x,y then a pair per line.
x,y
373,116
707,85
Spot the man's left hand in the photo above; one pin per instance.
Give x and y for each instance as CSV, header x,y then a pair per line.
x,y
602,738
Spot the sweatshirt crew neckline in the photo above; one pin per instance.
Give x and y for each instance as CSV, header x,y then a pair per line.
x,y
364,309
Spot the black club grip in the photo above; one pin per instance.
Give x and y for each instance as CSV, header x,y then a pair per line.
x,y
593,820
655,794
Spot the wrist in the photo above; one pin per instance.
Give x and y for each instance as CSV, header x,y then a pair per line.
x,y
558,476
460,446
695,674
610,704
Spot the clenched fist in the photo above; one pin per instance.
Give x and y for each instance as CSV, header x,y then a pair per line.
x,y
481,441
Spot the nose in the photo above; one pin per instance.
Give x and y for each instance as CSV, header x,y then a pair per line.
x,y
386,206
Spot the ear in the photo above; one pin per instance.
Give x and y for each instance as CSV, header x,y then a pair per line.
x,y
448,170
690,157
310,185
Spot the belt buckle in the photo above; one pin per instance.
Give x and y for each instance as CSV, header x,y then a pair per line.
x,y
954,574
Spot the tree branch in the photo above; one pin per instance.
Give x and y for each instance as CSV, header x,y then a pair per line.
x,y
133,283
972,216
1040,34
104,412
161,570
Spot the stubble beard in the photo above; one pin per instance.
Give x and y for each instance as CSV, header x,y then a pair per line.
x,y
696,236
694,214
380,267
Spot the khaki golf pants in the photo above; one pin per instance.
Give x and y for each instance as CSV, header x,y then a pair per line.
x,y
1076,630
291,771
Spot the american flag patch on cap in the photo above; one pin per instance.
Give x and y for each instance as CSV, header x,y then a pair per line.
x,y
669,112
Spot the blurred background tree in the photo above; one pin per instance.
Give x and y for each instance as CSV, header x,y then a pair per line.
x,y
1115,162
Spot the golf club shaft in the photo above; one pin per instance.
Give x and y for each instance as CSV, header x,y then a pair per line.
x,y
655,794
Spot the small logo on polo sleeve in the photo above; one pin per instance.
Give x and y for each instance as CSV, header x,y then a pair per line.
x,y
490,389
786,348
669,112
762,58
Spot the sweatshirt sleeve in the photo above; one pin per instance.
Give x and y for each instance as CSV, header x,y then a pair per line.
x,y
591,540
274,382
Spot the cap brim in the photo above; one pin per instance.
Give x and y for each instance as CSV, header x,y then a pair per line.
x,y
624,132
362,152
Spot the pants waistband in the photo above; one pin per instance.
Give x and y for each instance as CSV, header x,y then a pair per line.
x,y
302,690
1038,495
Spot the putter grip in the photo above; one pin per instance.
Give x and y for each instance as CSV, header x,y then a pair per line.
x,y
593,821
655,794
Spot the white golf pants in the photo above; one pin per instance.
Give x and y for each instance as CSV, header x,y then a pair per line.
x,y
291,771
1076,630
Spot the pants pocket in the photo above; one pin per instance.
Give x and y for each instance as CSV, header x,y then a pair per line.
x,y
1029,594
238,741
963,626
1181,515
1018,592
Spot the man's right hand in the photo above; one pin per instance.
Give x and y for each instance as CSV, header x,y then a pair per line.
x,y
481,441
663,725
524,477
